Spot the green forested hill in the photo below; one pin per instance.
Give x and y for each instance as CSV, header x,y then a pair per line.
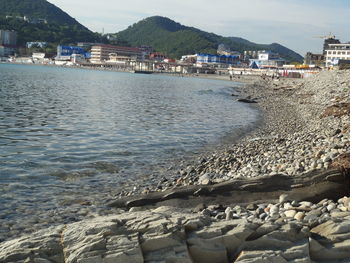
x,y
37,8
175,39
50,32
60,27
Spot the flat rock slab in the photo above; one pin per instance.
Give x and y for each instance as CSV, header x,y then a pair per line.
x,y
167,234
313,186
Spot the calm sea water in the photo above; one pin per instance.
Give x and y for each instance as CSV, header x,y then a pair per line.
x,y
73,131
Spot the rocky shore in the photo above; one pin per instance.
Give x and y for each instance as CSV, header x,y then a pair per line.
x,y
305,129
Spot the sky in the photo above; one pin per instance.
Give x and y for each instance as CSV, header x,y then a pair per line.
x,y
296,24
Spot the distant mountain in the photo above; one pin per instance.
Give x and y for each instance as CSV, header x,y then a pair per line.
x,y
174,39
60,27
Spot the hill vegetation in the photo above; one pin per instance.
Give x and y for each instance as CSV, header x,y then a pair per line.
x,y
174,39
50,32
60,27
37,8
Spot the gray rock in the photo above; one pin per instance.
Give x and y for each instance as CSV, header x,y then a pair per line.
x,y
290,213
283,198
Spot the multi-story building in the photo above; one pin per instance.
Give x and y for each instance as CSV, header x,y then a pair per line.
x,y
314,59
8,38
328,41
69,53
267,59
157,56
218,60
336,53
251,54
8,42
102,53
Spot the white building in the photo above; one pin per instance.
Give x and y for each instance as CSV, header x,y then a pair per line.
x,y
103,53
267,59
337,52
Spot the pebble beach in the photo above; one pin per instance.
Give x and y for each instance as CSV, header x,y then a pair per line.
x,y
295,135
305,127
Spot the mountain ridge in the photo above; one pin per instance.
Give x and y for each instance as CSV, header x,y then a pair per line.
x,y
174,39
162,33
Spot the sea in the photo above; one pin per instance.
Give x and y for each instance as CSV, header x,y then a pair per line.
x,y
69,133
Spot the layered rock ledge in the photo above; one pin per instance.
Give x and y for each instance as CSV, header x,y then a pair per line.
x,y
293,232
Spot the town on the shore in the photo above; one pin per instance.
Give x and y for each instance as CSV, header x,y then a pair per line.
x,y
144,59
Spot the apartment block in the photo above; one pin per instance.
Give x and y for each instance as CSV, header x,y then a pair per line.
x,y
337,52
8,42
102,53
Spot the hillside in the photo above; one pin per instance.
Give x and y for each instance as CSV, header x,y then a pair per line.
x,y
175,39
37,8
60,27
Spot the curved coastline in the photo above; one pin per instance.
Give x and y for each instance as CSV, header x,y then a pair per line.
x,y
305,128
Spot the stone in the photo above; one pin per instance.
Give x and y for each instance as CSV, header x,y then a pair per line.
x,y
252,207
274,209
207,251
330,207
206,212
229,214
299,216
305,204
46,241
95,259
41,260
204,179
290,213
283,198
335,214
257,256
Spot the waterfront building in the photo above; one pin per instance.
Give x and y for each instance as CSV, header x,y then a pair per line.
x,y
267,59
251,54
8,42
66,53
336,53
217,60
102,53
157,56
328,41
189,59
86,45
38,56
118,59
314,59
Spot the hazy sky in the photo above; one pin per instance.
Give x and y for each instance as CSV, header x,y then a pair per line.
x,y
294,24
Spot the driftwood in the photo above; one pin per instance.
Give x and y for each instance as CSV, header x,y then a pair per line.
x,y
313,186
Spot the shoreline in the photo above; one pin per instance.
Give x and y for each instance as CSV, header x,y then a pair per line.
x,y
306,128
79,206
